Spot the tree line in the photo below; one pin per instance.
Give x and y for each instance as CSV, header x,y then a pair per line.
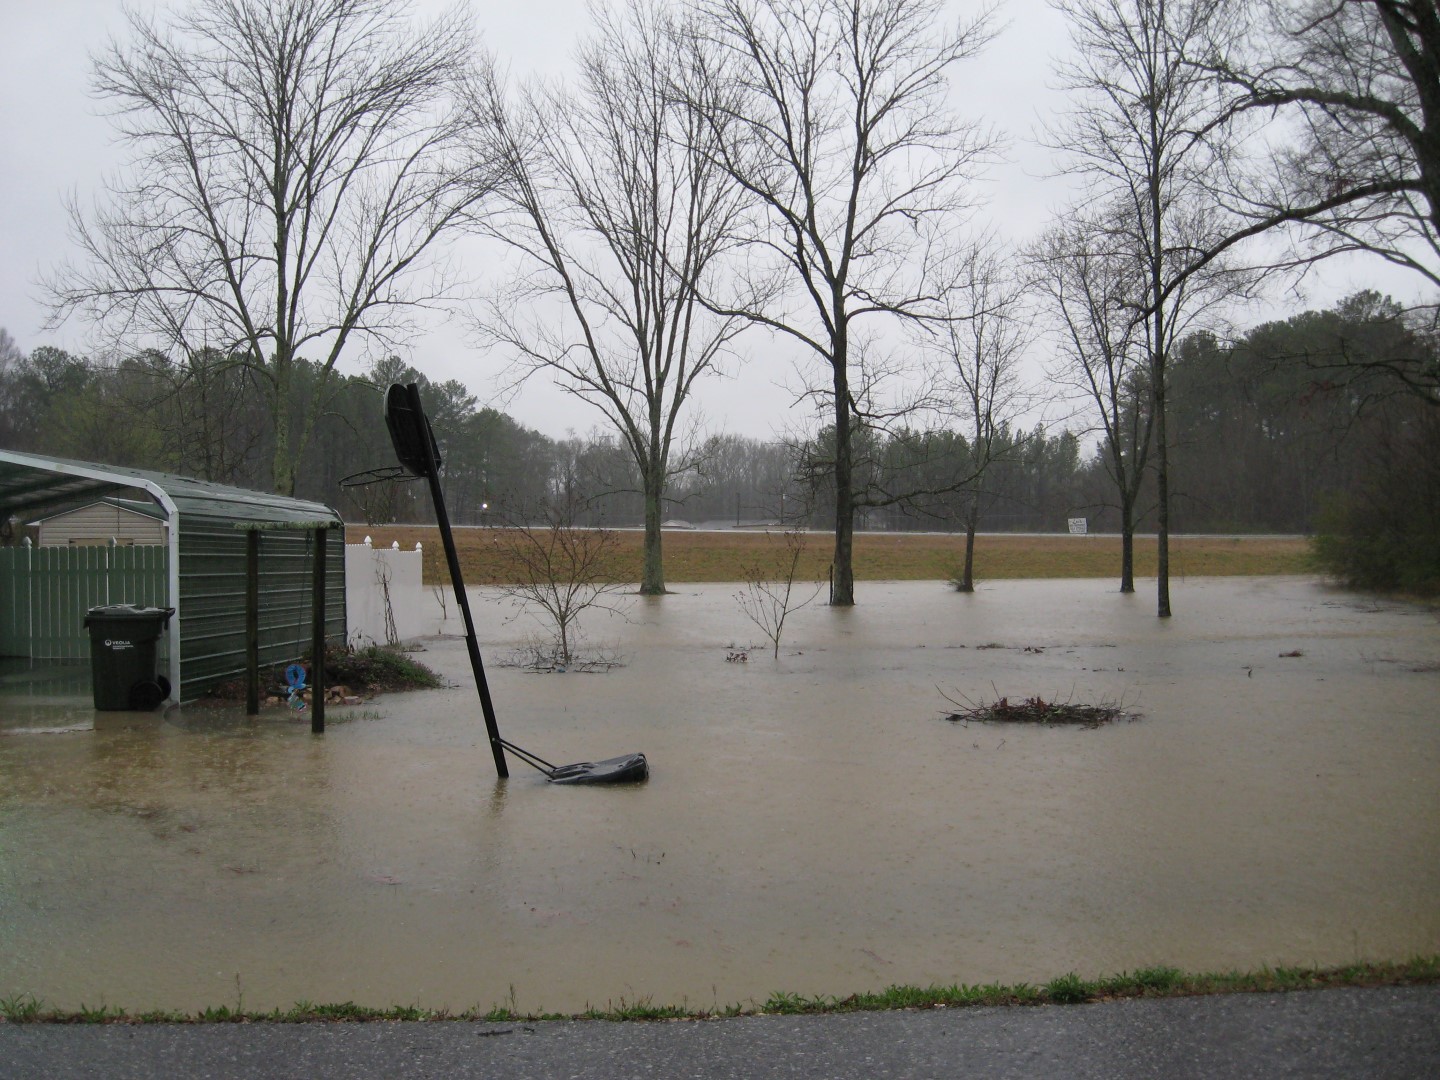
x,y
716,170
1279,429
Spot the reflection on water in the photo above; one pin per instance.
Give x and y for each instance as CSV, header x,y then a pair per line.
x,y
44,697
811,824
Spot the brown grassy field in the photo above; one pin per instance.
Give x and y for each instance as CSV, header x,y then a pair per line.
x,y
722,556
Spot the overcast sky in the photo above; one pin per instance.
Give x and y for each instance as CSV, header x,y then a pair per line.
x,y
54,144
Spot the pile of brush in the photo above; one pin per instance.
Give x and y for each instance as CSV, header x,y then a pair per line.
x,y
1036,710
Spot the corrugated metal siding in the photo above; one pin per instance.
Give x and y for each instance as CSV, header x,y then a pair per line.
x,y
212,600
48,590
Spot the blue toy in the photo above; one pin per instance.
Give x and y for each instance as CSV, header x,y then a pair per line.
x,y
295,676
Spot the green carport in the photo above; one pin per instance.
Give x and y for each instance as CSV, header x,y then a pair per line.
x,y
234,563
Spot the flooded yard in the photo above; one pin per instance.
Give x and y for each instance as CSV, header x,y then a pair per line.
x,y
812,824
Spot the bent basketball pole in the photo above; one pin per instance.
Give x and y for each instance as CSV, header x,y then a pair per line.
x,y
415,446
417,450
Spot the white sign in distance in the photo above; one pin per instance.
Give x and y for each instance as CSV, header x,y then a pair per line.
x,y
1077,526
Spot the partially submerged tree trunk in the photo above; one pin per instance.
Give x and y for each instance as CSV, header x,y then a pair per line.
x,y
1162,495
842,593
1159,350
652,574
1127,543
967,570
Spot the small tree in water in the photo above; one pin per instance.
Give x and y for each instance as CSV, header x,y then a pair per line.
x,y
769,593
561,569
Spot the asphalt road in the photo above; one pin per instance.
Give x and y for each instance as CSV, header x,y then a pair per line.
x,y
1385,1032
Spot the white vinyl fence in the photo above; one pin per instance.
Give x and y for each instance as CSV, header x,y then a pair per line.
x,y
386,601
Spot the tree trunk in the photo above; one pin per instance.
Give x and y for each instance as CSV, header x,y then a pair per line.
x,y
1127,543
843,588
282,464
652,574
1162,495
967,573
1158,359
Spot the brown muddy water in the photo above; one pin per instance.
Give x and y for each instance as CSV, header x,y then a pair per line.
x,y
812,824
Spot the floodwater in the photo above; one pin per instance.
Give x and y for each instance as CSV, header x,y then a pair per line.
x,y
811,825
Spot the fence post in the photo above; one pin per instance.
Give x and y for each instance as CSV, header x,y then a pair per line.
x,y
252,622
317,639
29,595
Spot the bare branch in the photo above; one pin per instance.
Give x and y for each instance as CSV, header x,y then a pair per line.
x,y
293,164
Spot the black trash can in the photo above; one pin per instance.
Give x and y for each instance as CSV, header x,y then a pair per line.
x,y
122,656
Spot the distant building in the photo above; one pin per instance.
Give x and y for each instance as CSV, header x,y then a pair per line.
x,y
125,521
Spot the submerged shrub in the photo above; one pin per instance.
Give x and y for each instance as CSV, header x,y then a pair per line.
x,y
378,667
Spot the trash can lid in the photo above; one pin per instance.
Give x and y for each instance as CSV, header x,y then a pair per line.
x,y
129,611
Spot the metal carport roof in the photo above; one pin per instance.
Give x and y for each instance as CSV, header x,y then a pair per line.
x,y
30,483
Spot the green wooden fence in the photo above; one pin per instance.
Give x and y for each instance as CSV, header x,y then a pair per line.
x,y
45,592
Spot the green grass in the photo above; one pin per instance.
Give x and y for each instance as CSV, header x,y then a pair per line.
x,y
21,1008
100,1014
644,1009
1067,989
1159,980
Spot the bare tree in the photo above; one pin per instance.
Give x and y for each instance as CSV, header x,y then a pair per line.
x,y
211,411
560,569
1348,94
832,115
1138,102
979,343
620,216
1354,87
10,353
1089,291
769,596
11,357
292,163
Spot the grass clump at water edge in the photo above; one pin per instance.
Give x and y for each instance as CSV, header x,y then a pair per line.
x,y
1159,981
1067,989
